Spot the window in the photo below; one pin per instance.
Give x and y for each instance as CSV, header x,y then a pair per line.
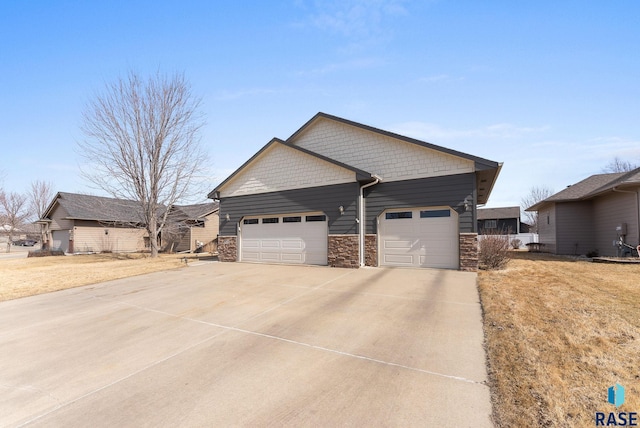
x,y
316,218
270,220
435,213
490,224
250,221
401,214
292,219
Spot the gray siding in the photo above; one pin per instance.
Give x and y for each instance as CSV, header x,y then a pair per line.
x,y
450,190
326,199
574,228
609,211
547,227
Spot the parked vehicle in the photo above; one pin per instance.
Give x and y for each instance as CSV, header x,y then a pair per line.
x,y
24,243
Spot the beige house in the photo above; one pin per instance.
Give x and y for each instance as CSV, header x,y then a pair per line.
x,y
192,228
78,223
592,215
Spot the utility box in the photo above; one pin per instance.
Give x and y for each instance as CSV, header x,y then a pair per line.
x,y
621,229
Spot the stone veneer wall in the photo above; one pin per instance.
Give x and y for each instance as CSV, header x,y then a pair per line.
x,y
343,251
469,252
227,249
371,250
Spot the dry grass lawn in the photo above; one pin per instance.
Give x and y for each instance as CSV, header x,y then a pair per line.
x,y
36,275
559,333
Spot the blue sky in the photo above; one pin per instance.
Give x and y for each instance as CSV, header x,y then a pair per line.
x,y
552,89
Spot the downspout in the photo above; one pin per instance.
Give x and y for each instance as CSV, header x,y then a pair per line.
x,y
637,208
361,214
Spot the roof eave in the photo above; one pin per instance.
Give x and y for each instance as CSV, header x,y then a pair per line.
x,y
489,174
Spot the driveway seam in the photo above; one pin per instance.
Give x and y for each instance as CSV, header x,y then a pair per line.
x,y
308,345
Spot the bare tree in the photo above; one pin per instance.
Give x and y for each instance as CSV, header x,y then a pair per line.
x,y
13,207
619,165
40,195
142,144
536,194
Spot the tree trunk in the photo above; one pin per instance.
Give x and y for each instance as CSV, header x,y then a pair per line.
x,y
153,236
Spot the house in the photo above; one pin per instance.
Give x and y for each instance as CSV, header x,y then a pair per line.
x,y
591,215
504,220
344,194
192,227
78,223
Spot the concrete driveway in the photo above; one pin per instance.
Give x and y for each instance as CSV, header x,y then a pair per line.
x,y
232,344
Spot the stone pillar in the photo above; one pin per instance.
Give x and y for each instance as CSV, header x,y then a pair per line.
x,y
228,248
469,252
371,250
343,251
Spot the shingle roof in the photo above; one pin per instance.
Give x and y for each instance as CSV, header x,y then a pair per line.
x,y
89,207
498,213
194,212
591,186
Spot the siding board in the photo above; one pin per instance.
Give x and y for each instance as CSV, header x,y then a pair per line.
x,y
574,228
434,191
326,199
609,211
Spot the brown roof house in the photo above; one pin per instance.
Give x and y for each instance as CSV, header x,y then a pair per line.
x,y
77,223
591,216
192,228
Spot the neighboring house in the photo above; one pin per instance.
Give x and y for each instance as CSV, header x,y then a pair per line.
x,y
589,216
344,194
78,223
194,227
505,220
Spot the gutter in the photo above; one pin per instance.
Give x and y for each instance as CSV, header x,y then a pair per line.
x,y
361,220
615,189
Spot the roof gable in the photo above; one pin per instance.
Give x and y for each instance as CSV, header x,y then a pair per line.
x,y
278,166
384,154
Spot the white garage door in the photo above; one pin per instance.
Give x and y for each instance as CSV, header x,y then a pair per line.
x,y
60,240
292,238
419,237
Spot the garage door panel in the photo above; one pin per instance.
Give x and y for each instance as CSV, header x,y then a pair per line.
x,y
398,244
271,257
292,244
292,258
270,244
399,259
251,256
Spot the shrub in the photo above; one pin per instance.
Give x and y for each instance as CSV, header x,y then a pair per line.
x,y
593,253
494,252
516,243
45,253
